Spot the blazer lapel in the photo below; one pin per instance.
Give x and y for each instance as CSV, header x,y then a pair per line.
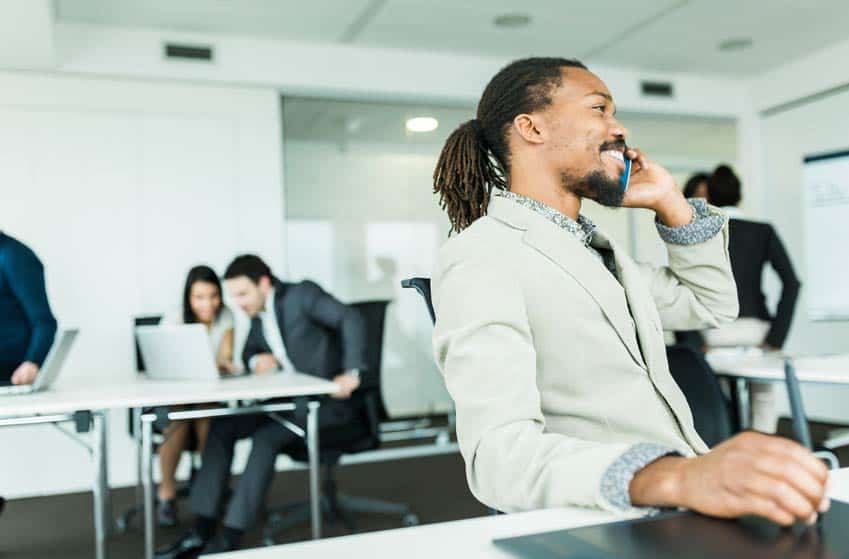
x,y
639,297
574,259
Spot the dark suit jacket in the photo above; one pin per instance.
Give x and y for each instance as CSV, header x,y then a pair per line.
x,y
322,336
752,246
27,325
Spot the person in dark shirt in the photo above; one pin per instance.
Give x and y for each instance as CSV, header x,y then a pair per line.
x,y
27,325
752,246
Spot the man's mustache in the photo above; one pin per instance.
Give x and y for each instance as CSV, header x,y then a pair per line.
x,y
616,144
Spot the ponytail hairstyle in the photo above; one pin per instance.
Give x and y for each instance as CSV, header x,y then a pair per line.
x,y
476,158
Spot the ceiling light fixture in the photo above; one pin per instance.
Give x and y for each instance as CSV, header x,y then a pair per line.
x,y
735,44
422,124
512,21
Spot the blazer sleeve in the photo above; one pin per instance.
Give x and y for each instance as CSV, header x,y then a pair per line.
x,y
331,313
697,289
790,285
26,280
484,347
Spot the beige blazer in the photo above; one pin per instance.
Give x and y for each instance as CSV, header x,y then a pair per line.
x,y
551,377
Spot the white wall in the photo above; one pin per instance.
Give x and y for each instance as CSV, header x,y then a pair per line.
x,y
120,186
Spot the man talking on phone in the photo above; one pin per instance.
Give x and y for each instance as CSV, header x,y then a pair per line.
x,y
550,337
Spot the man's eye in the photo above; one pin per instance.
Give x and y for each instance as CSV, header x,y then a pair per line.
x,y
600,108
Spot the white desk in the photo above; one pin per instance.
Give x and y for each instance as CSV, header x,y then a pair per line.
x,y
464,538
745,365
65,402
769,367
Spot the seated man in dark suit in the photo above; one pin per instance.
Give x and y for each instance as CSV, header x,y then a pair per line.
x,y
27,325
293,327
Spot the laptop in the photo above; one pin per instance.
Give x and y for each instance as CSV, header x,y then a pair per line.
x,y
177,352
50,368
686,534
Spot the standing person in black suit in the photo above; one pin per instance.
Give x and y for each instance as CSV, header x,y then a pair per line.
x,y
293,327
752,246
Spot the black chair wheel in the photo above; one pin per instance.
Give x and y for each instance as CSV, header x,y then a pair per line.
x,y
410,520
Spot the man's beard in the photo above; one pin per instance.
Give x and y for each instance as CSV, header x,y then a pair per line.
x,y
596,186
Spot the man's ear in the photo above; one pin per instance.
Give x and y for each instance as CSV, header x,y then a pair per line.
x,y
265,284
525,126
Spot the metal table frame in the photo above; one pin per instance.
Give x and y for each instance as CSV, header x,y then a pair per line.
x,y
96,423
145,464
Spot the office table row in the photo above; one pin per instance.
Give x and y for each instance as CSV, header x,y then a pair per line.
x,y
87,408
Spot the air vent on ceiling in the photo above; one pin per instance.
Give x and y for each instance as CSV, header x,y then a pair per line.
x,y
657,89
188,52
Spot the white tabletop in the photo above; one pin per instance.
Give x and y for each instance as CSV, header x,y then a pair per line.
x,y
140,392
463,538
754,364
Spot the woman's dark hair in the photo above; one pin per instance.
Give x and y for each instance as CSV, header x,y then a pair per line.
x,y
476,158
724,187
197,274
693,183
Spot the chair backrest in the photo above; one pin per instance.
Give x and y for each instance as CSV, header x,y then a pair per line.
x,y
422,285
712,413
374,314
147,320
368,399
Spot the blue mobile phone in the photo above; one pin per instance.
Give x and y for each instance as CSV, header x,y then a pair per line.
x,y
626,175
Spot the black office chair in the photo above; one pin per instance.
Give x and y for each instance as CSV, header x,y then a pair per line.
x,y
123,521
360,435
422,285
712,411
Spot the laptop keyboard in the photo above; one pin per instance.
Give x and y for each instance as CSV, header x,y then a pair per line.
x,y
10,390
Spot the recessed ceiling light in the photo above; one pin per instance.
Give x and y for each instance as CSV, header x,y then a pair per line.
x,y
422,124
512,20
739,43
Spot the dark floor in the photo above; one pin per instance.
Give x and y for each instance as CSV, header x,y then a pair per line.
x,y
434,487
61,526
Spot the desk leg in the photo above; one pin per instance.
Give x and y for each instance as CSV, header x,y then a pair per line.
x,y
137,436
101,484
312,450
743,408
147,484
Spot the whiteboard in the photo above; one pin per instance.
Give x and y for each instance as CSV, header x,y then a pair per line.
x,y
826,180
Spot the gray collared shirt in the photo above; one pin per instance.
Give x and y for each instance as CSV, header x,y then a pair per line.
x,y
616,481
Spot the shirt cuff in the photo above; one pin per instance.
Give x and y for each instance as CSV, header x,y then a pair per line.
x,y
616,480
705,225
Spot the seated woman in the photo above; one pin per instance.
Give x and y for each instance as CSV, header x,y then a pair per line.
x,y
202,304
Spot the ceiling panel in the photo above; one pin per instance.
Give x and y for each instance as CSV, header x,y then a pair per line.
x,y
558,27
312,20
665,35
687,39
